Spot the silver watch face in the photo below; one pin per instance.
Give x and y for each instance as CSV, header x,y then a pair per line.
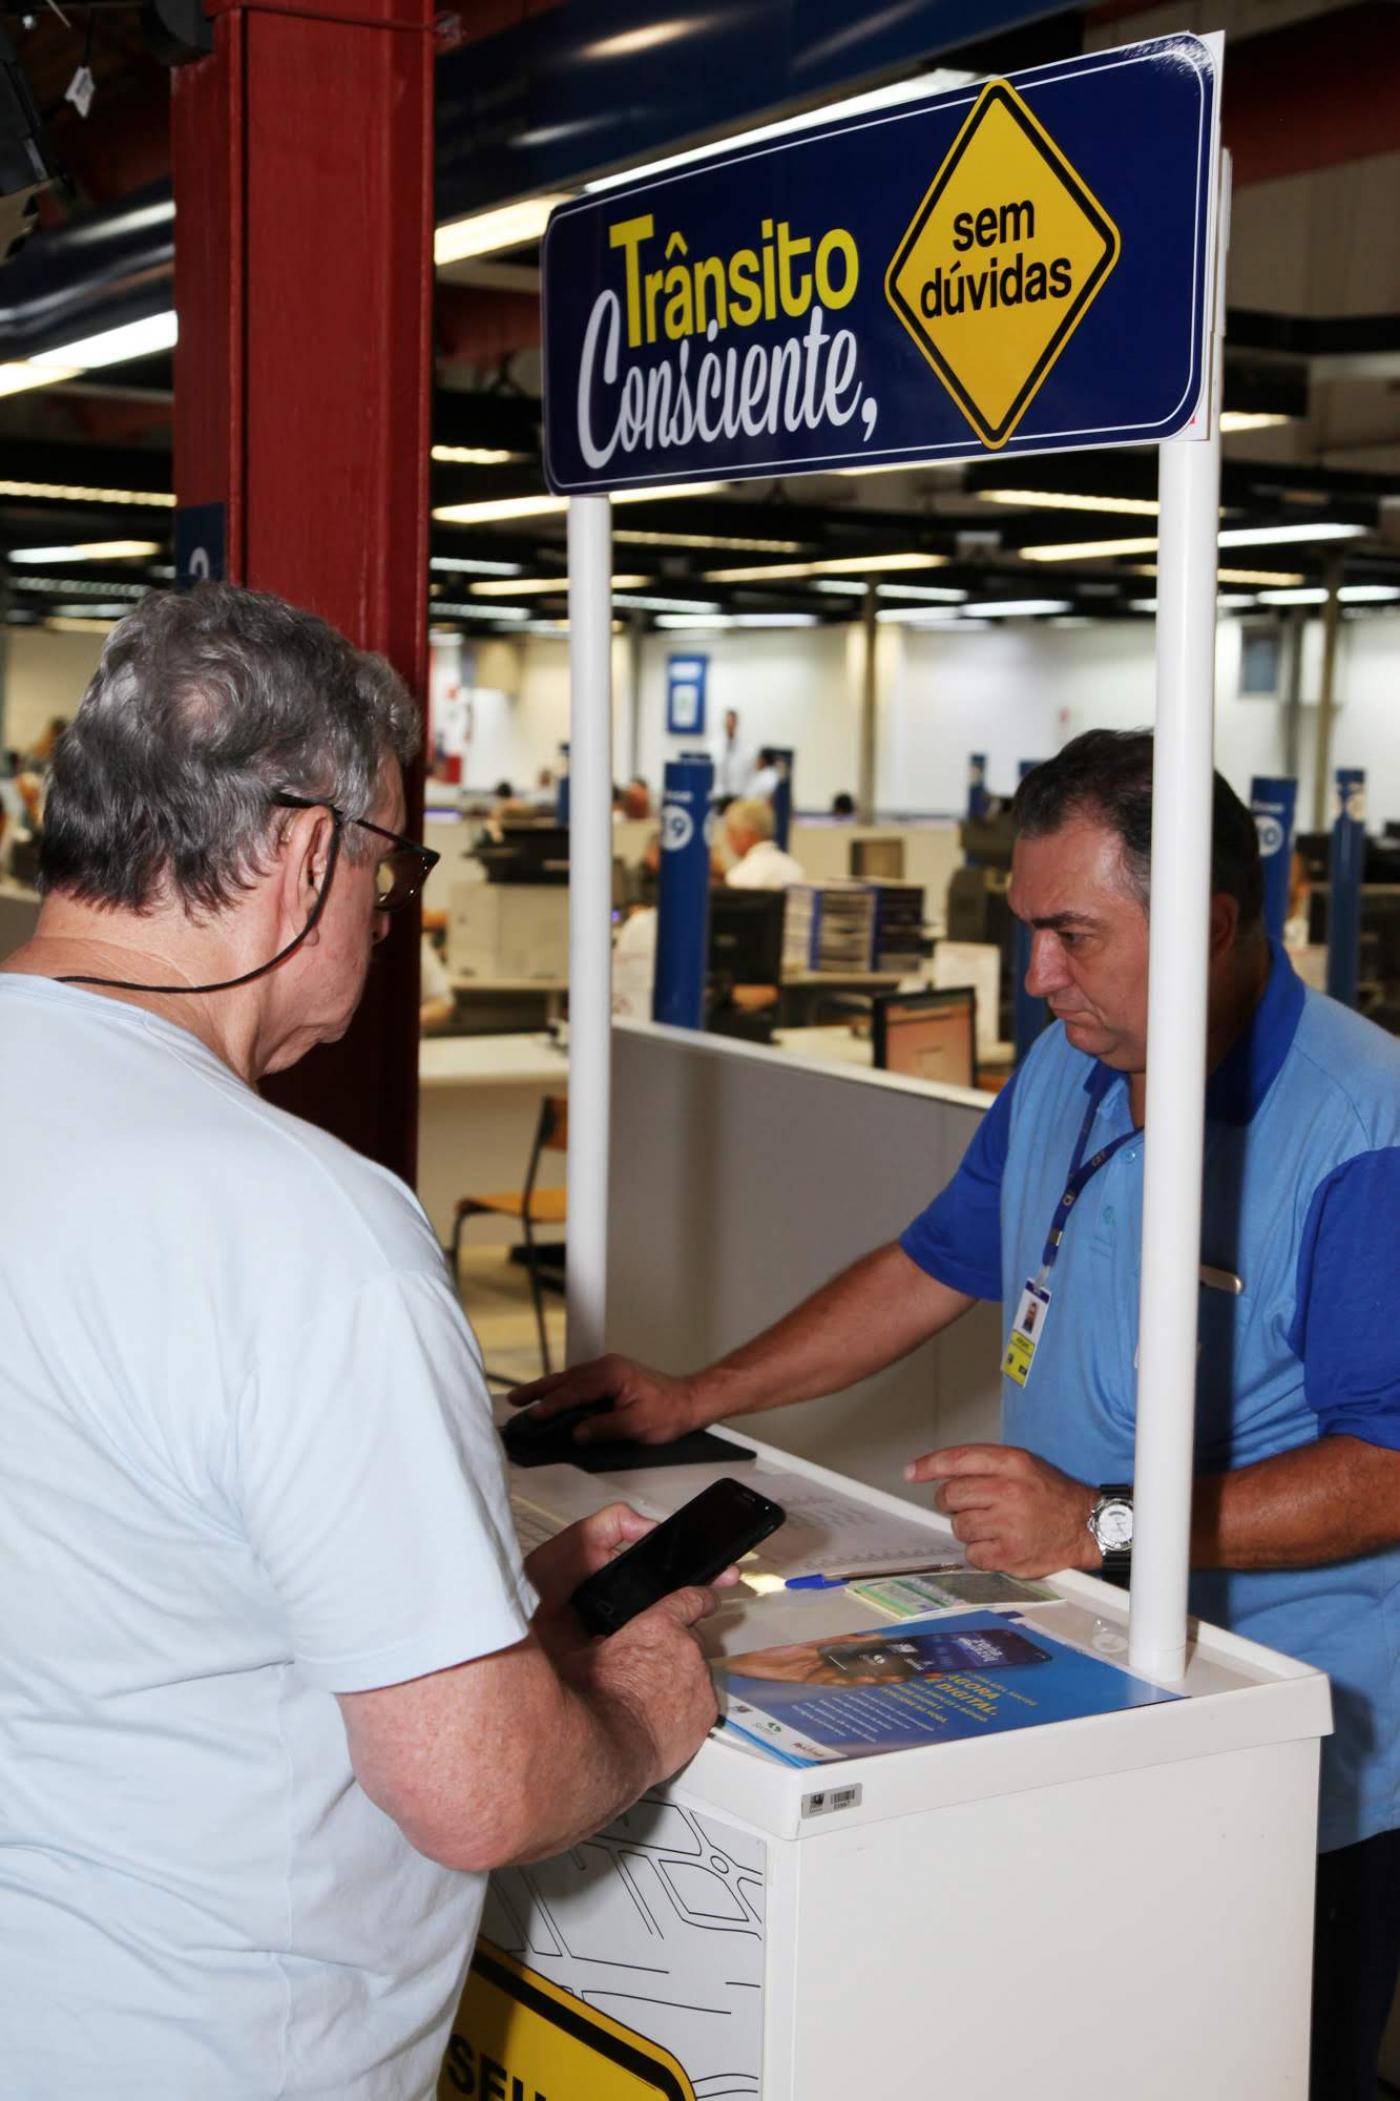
x,y
1112,1526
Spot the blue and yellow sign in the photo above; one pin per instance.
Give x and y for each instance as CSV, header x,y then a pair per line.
x,y
1022,265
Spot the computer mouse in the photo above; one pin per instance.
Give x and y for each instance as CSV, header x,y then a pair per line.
x,y
532,1439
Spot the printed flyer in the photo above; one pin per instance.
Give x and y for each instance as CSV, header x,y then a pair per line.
x,y
924,1681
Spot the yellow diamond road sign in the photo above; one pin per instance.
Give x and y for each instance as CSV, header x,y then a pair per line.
x,y
518,2036
1001,263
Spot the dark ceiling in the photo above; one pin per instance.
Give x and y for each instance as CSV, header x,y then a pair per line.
x,y
110,431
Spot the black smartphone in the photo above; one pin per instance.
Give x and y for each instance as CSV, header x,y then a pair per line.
x,y
692,1546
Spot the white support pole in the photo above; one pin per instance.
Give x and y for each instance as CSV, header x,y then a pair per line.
x,y
590,918
1187,528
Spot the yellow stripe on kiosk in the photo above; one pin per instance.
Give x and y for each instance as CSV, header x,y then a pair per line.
x,y
517,2037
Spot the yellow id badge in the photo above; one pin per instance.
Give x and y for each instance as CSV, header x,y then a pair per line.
x,y
1026,1331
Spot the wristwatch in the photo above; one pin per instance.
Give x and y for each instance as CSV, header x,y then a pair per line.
x,y
1111,1523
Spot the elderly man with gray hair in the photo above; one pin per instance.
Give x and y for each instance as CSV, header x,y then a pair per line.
x,y
275,1691
759,862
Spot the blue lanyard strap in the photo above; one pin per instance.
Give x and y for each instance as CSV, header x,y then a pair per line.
x,y
1081,1174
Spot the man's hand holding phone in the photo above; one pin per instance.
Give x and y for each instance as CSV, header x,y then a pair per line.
x,y
655,1670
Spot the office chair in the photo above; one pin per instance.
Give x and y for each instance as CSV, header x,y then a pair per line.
x,y
533,1207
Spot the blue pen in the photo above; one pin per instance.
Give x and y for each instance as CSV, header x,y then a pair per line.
x,y
817,1582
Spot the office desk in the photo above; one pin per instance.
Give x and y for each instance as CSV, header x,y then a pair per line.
x,y
802,991
979,1917
503,1005
838,1045
478,1105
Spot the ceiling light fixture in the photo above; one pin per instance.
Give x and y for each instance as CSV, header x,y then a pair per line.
x,y
840,565
474,456
1349,594
1230,576
77,587
1266,535
1228,601
645,604
496,511
492,233
19,376
1229,536
76,492
1065,500
1234,420
468,565
88,551
508,587
635,537
113,346
1017,608
942,594
914,466
628,42
681,621
482,612
1087,550
927,618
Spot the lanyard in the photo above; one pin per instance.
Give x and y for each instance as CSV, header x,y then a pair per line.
x,y
1081,1174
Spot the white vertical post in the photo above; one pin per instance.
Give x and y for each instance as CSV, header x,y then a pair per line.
x,y
1187,528
590,918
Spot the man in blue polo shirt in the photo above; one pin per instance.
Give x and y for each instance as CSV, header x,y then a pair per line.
x,y
1296,1513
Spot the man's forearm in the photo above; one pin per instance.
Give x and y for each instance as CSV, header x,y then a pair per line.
x,y
1324,1502
475,1783
601,1758
868,1317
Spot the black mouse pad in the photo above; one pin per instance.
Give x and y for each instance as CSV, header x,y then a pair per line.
x,y
624,1455
696,1448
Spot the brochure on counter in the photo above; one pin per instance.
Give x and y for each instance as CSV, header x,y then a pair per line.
x,y
917,1597
920,1682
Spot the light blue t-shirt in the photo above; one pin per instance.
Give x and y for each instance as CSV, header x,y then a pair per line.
x,y
246,1462
1301,1202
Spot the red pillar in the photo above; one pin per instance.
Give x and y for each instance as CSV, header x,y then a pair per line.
x,y
303,172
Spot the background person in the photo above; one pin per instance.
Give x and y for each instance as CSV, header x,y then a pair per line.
x,y
1296,1514
759,863
767,776
275,1692
733,760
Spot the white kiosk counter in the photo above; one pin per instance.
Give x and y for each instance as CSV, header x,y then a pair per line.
x,y
1122,1899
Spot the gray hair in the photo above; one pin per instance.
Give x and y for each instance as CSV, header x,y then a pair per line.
x,y
750,814
206,703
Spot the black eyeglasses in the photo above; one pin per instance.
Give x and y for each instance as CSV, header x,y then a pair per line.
x,y
400,875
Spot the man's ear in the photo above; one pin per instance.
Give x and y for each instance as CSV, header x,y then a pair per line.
x,y
302,864
1224,923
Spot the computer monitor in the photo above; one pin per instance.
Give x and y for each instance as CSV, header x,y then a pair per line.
x,y
526,853
927,1035
746,937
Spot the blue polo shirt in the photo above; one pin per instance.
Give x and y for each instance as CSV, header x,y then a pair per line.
x,y
1301,1202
